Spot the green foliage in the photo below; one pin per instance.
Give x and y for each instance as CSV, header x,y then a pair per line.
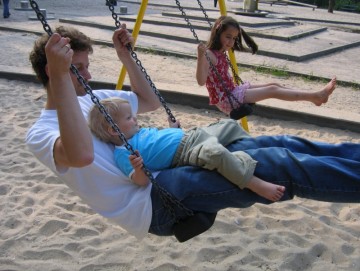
x,y
273,71
338,3
341,3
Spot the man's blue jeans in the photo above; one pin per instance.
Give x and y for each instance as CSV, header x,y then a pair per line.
x,y
319,171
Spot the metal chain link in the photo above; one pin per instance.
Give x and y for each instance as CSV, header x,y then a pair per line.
x,y
138,62
229,94
169,200
204,12
40,17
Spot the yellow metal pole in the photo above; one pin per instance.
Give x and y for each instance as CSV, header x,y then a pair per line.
x,y
223,12
135,34
222,6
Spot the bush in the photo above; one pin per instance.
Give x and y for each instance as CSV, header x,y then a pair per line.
x,y
338,3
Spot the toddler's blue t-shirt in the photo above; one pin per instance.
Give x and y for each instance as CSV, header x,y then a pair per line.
x,y
157,148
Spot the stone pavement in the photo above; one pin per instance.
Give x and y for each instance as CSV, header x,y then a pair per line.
x,y
295,39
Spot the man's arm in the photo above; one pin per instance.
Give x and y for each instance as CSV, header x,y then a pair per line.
x,y
74,147
148,101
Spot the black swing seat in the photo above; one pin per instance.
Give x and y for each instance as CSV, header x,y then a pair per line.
x,y
242,111
194,225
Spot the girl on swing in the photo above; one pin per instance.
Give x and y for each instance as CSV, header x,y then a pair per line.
x,y
226,35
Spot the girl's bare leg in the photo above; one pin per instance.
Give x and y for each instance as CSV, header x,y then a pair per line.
x,y
268,91
267,190
266,85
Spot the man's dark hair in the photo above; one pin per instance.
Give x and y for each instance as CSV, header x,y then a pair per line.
x,y
78,42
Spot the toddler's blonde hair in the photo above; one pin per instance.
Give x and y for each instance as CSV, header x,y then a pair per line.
x,y
99,125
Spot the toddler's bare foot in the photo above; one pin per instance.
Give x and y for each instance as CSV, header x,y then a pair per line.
x,y
267,190
322,96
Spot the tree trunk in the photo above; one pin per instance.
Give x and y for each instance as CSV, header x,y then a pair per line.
x,y
331,6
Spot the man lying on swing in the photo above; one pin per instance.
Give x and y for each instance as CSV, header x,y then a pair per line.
x,y
62,141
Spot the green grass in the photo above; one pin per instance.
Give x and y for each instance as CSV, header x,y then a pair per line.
x,y
272,71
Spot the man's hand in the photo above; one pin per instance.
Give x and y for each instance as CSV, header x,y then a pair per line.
x,y
121,38
59,54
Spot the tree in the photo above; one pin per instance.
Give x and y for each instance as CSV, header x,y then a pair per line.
x,y
331,6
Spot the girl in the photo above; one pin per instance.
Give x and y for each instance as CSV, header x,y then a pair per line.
x,y
226,35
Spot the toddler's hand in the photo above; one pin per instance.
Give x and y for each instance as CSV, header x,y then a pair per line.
x,y
175,124
136,161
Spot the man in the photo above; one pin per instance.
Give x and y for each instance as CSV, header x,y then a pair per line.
x,y
61,140
6,10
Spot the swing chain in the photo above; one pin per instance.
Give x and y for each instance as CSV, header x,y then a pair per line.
x,y
40,17
203,11
169,199
187,20
113,13
138,62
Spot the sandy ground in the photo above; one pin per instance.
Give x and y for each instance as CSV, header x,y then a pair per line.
x,y
44,226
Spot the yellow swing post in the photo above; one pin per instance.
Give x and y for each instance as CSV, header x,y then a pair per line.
x,y
135,34
223,12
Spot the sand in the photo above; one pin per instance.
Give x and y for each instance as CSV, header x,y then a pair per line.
x,y
45,226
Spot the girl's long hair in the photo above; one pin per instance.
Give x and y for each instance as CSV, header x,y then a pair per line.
x,y
223,23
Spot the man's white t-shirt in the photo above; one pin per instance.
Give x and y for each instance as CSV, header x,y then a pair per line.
x,y
101,185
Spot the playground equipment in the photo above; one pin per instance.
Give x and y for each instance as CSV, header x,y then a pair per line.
x,y
135,33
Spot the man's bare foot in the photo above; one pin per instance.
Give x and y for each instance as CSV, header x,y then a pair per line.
x,y
322,96
267,190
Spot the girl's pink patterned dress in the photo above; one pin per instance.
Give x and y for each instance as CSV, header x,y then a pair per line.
x,y
217,88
